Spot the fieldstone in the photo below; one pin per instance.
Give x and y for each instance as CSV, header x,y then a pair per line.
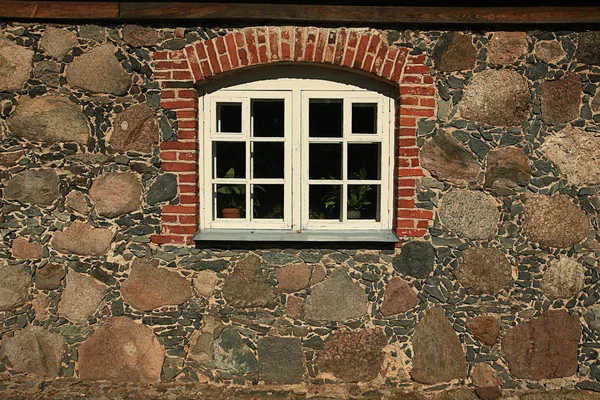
x,y
83,239
14,286
163,189
486,381
497,97
39,187
76,201
507,169
447,160
319,274
116,193
561,99
292,278
588,44
338,298
246,287
81,297
550,51
139,36
41,306
543,348
47,72
280,360
202,342
483,270
149,287
354,356
554,220
293,307
205,282
135,129
577,155
49,119
121,350
34,350
592,317
92,32
507,47
15,66
57,42
564,279
437,353
469,213
27,249
49,277
399,297
99,71
485,328
454,51
10,158
231,353
415,259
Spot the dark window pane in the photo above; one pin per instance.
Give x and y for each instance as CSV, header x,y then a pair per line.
x,y
325,118
268,201
363,201
229,117
268,160
231,159
364,161
324,201
229,199
325,161
268,118
364,118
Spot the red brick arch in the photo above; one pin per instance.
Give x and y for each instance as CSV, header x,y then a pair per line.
x,y
361,50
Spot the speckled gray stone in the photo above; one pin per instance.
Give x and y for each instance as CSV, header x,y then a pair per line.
x,y
469,213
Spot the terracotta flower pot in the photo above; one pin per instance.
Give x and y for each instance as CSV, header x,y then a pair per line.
x,y
231,212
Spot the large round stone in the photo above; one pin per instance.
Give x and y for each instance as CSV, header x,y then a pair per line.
x,y
576,153
415,259
554,220
15,66
39,187
116,193
354,356
135,129
138,36
588,44
121,350
83,239
49,119
469,213
57,42
99,71
497,97
437,353
14,286
507,169
447,160
483,270
454,51
34,350
543,348
561,99
507,47
81,297
564,279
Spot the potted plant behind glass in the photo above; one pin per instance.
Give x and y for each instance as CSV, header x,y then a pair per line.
x,y
235,196
358,196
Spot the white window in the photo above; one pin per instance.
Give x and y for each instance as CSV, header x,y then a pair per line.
x,y
296,152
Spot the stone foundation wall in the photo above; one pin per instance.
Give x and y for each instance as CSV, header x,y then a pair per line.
x,y
499,290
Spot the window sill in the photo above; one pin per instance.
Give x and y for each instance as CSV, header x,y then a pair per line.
x,y
247,235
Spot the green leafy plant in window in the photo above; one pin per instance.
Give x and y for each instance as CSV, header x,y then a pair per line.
x,y
233,203
358,196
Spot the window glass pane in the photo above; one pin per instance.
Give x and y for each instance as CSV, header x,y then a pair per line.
x,y
324,201
231,159
231,201
363,201
268,159
325,161
268,201
325,118
268,118
364,161
364,118
229,117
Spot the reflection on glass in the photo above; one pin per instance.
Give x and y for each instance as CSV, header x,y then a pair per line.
x,y
324,201
325,118
364,118
268,202
364,161
230,155
268,118
229,117
268,159
325,161
363,201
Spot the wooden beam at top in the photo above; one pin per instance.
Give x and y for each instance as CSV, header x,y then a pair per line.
x,y
49,10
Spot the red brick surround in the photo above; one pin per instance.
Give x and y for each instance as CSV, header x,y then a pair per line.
x,y
365,50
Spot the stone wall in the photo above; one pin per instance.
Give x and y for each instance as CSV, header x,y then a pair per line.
x,y
500,291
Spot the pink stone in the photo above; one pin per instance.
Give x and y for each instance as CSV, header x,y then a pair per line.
x,y
25,249
293,307
507,47
293,278
399,297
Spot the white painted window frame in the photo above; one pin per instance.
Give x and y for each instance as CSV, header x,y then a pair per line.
x,y
296,93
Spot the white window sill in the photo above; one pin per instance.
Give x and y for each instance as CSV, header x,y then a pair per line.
x,y
249,235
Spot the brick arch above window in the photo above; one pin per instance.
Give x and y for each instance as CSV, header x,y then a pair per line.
x,y
179,72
